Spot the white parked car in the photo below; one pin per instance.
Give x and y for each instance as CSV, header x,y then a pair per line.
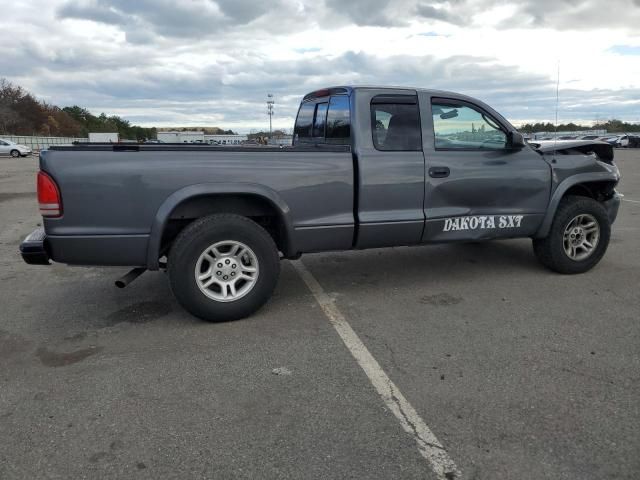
x,y
7,147
616,140
623,141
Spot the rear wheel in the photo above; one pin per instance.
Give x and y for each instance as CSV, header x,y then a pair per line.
x,y
578,238
223,267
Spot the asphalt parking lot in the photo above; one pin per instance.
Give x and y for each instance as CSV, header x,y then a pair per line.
x,y
520,373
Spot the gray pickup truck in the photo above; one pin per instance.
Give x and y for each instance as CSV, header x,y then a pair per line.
x,y
370,167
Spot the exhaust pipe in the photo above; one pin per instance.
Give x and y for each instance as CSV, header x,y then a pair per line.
x,y
126,279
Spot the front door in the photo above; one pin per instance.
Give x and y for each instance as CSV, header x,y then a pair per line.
x,y
477,186
390,162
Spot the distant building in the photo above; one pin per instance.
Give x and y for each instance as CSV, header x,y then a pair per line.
x,y
225,139
104,137
196,136
285,140
192,136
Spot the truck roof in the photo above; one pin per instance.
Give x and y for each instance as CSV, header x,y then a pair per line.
x,y
348,89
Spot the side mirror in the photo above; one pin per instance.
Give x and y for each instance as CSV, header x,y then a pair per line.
x,y
450,114
516,140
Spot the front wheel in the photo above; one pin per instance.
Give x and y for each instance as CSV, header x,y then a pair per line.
x,y
223,267
578,238
15,153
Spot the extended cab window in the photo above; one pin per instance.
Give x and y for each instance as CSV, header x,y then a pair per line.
x,y
338,120
395,123
462,127
324,122
320,121
304,120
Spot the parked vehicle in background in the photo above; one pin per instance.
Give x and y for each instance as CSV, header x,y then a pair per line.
x,y
613,140
634,141
370,167
7,147
568,137
623,141
589,137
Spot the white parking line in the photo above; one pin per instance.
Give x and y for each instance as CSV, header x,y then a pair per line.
x,y
428,445
632,201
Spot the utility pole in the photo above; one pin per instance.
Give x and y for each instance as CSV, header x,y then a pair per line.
x,y
270,103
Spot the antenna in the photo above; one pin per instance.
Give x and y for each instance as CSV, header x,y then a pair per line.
x,y
555,137
270,103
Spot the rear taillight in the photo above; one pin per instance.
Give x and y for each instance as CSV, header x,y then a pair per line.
x,y
48,196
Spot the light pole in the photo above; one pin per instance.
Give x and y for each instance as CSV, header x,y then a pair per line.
x,y
270,103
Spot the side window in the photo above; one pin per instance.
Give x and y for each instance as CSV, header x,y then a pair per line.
x,y
462,127
3,143
303,122
324,122
395,124
320,120
338,121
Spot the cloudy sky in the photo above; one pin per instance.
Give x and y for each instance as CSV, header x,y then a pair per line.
x,y
212,62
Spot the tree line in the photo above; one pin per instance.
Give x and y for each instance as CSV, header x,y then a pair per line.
x,y
23,114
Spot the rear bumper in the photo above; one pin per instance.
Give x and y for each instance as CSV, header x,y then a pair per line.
x,y
113,250
33,249
613,205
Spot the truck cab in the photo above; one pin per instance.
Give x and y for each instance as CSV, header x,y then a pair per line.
x,y
423,159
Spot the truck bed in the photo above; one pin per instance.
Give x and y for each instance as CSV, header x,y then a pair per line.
x,y
115,195
144,147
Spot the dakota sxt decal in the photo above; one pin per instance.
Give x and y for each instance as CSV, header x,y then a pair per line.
x,y
481,222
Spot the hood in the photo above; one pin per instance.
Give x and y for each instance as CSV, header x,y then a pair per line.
x,y
603,150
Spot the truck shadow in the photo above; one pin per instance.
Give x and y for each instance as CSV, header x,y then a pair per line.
x,y
149,301
426,265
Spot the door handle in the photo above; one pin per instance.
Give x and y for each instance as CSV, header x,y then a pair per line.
x,y
439,172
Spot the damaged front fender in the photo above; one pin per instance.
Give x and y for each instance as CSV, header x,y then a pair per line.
x,y
582,167
602,150
612,203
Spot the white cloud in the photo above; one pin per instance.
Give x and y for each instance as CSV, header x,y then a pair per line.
x,y
213,62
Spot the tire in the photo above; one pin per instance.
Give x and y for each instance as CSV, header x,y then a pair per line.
x,y
551,251
15,153
187,259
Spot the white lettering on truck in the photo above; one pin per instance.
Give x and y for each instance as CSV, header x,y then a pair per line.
x,y
482,222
